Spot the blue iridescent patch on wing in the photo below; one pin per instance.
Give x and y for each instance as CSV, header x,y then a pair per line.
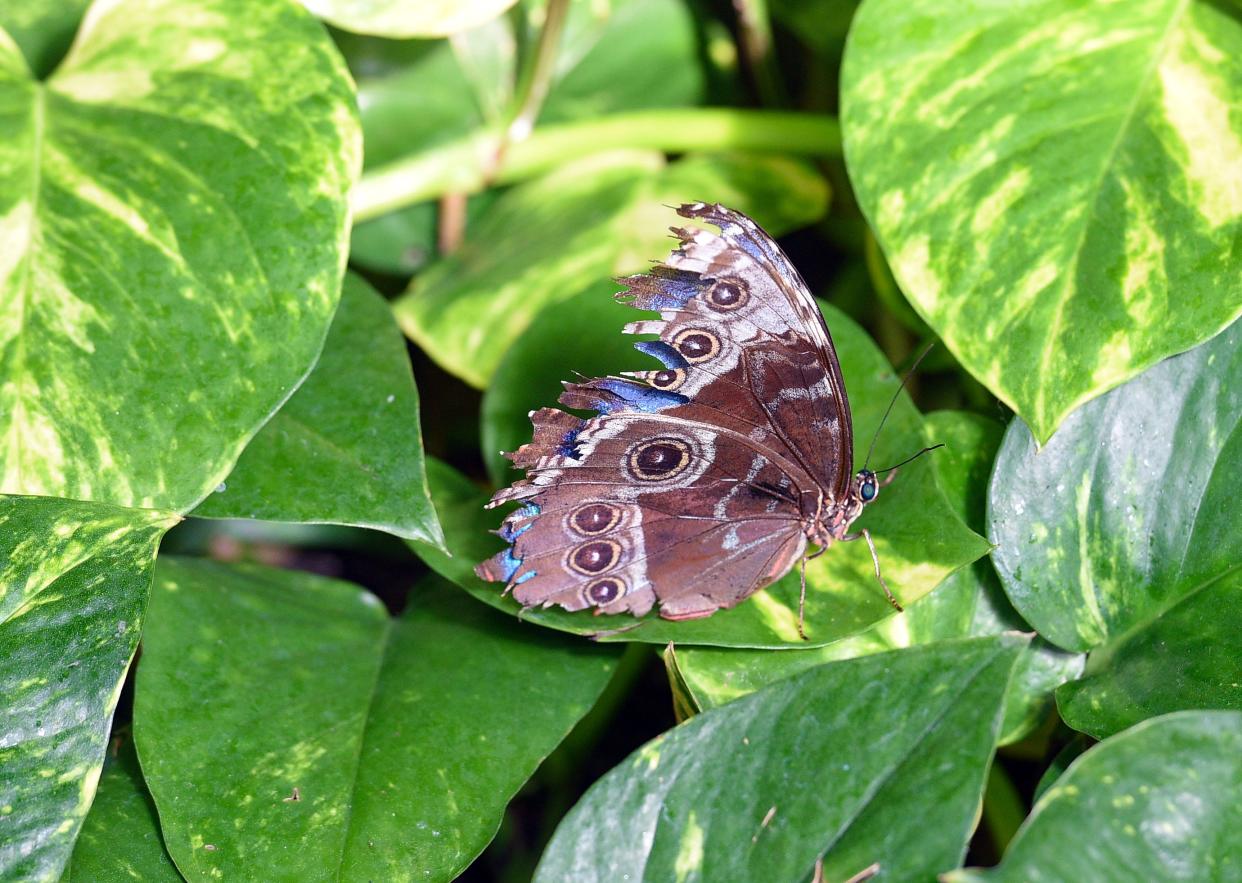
x,y
508,532
637,397
569,445
667,355
509,564
530,574
675,291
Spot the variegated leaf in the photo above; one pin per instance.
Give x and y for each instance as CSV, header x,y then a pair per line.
x,y
1057,185
74,579
173,229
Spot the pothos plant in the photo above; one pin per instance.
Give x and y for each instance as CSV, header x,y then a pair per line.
x,y
192,341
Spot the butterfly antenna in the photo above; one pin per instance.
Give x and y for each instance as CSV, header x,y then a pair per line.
x,y
889,409
908,459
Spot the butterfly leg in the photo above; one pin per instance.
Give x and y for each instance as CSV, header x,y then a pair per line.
x,y
892,473
875,559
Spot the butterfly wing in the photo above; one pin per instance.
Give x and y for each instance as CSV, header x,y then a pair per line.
x,y
741,336
633,506
749,412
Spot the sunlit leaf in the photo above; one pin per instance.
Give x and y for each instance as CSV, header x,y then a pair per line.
x,y
1056,185
172,200
1120,536
74,579
402,18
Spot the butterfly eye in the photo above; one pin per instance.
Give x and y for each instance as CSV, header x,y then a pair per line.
x,y
868,489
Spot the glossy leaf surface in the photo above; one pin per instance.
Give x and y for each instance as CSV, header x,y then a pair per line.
x,y
1056,185
1157,802
544,241
120,840
1121,534
74,579
347,448
173,203
386,748
969,602
881,758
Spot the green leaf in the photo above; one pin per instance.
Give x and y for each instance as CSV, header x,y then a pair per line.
x,y
1056,185
173,197
968,603
875,759
120,840
1120,535
43,31
404,739
919,538
622,55
74,579
347,448
1184,659
544,241
1157,802
401,18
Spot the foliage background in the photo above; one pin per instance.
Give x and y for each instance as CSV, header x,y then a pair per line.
x,y
234,233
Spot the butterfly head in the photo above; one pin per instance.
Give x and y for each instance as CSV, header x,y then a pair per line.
x,y
866,487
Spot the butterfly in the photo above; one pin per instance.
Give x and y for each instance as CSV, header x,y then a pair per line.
x,y
698,483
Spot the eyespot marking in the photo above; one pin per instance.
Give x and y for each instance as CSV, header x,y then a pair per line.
x,y
697,345
595,518
594,557
604,591
668,379
728,293
658,459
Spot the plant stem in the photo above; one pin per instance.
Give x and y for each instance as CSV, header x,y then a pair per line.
x,y
536,78
462,166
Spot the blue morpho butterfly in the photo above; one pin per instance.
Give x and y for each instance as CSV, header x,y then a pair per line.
x,y
698,483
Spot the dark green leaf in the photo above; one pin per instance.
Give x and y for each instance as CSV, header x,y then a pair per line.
x,y
881,758
386,749
120,840
1120,534
174,206
546,240
73,593
1157,802
43,31
919,538
969,602
1186,658
346,449
1056,185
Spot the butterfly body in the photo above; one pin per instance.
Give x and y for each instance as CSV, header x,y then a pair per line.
x,y
697,483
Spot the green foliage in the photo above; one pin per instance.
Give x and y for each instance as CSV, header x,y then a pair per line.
x,y
1050,189
1055,185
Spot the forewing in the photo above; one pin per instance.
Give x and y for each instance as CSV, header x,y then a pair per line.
x,y
742,339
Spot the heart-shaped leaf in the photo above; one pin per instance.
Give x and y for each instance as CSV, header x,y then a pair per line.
x,y
120,839
546,240
1056,185
1157,802
919,538
43,31
347,448
1121,534
173,203
878,759
968,603
380,746
74,579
